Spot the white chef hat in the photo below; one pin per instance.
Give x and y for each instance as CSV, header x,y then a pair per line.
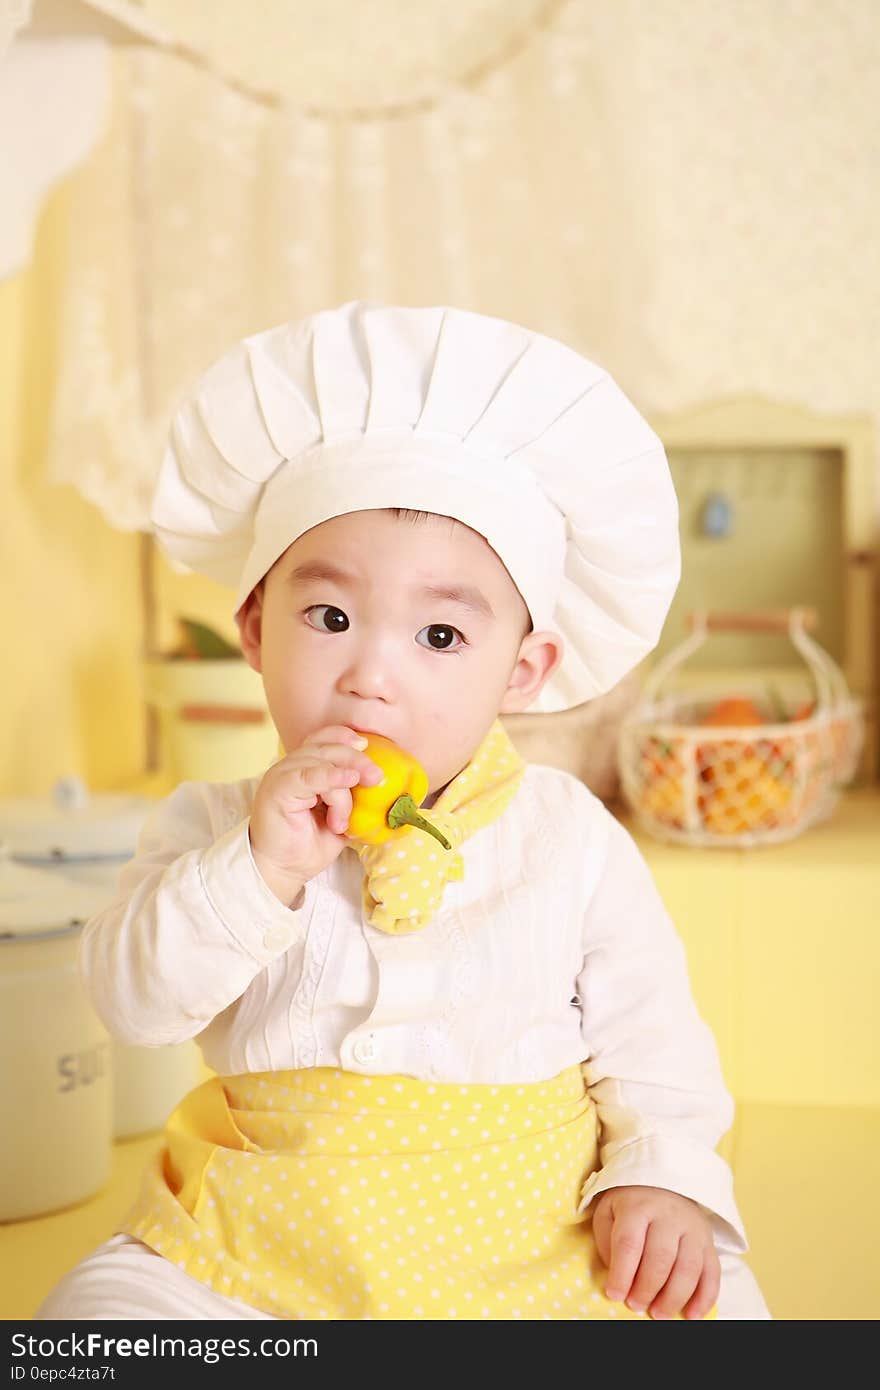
x,y
438,410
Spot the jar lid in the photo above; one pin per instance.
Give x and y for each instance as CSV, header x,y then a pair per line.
x,y
72,823
36,903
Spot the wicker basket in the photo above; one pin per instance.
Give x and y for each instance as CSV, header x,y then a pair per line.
x,y
739,783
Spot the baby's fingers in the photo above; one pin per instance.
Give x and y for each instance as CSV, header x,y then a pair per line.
x,y
338,810
683,1280
627,1244
320,776
301,786
707,1290
343,755
656,1265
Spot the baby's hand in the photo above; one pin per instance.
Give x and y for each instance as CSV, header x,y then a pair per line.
x,y
291,841
659,1251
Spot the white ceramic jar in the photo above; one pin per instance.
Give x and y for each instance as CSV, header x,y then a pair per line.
x,y
83,839
55,1057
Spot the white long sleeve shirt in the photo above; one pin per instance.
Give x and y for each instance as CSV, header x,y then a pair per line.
x,y
555,949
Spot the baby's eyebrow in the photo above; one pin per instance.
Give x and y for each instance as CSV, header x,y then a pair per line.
x,y
465,595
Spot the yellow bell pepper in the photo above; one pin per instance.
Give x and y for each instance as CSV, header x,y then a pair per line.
x,y
376,812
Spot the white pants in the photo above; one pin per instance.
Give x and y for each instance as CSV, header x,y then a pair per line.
x,y
126,1280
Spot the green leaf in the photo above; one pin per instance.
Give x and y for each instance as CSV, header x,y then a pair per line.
x,y
201,642
776,704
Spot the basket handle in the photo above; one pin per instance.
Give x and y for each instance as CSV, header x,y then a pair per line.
x,y
828,677
767,620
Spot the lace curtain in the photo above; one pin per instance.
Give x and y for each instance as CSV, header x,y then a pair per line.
x,y
205,214
686,191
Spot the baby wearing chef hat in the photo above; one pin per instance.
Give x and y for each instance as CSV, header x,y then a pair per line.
x,y
463,1082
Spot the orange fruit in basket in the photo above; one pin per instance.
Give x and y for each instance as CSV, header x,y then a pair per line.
x,y
744,796
732,712
746,784
806,711
735,710
723,755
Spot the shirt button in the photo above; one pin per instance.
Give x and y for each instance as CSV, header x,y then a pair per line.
x,y
364,1050
276,939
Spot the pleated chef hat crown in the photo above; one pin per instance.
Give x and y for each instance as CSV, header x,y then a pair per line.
x,y
438,410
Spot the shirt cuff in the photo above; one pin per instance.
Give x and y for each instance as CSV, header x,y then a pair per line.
x,y
259,922
685,1168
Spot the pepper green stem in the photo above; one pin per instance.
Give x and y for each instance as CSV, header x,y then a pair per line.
x,y
405,812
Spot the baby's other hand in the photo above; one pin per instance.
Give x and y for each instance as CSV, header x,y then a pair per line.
x,y
659,1251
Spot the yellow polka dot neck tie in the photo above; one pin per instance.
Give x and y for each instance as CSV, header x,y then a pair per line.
x,y
404,878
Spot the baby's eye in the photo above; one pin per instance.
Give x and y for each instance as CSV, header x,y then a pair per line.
x,y
335,619
440,637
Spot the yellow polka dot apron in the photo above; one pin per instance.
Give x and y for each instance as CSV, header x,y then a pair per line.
x,y
322,1193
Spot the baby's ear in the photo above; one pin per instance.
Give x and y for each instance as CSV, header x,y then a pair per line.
x,y
540,654
250,627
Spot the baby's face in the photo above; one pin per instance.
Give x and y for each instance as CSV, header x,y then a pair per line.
x,y
354,626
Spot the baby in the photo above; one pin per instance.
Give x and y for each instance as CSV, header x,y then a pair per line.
x,y
464,1083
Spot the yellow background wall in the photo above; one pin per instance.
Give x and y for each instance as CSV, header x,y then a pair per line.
x,y
70,596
